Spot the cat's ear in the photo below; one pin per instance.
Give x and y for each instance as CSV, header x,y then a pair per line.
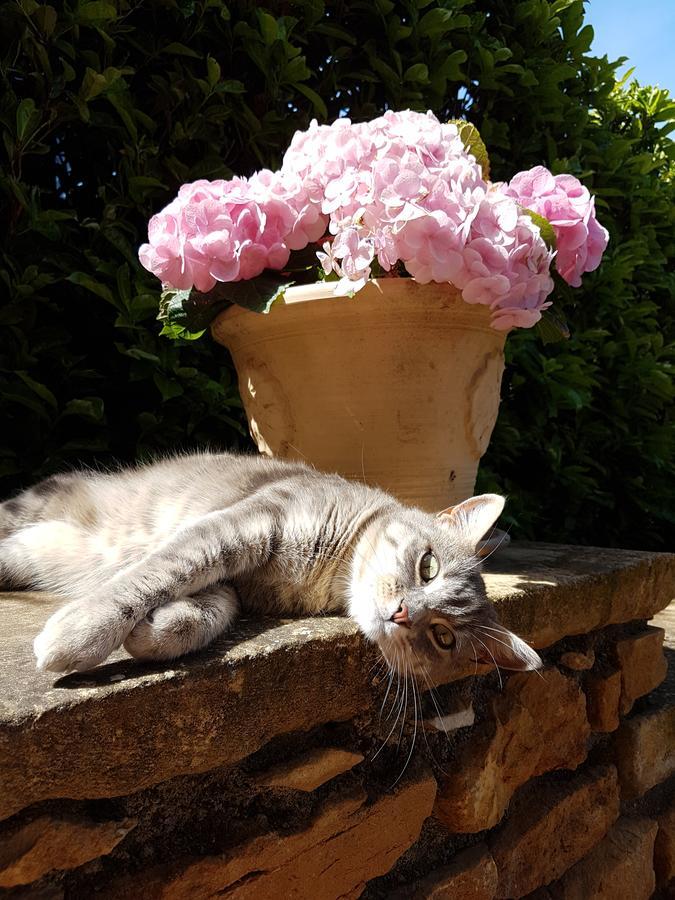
x,y
506,650
473,518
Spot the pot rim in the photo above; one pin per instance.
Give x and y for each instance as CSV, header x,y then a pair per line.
x,y
324,290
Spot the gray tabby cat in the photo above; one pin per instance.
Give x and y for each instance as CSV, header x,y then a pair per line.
x,y
162,557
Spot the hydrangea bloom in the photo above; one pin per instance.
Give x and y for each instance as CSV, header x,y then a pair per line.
x,y
569,207
229,230
400,188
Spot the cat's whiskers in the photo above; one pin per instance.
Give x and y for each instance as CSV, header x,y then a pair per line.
x,y
377,667
509,646
475,656
414,738
431,691
393,727
424,731
397,669
405,710
389,684
432,694
499,674
402,684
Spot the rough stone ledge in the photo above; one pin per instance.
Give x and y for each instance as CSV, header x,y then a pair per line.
x,y
268,678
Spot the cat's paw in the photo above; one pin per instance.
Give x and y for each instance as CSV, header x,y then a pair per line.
x,y
167,632
183,626
78,637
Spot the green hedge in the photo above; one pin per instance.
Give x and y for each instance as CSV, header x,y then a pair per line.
x,y
107,107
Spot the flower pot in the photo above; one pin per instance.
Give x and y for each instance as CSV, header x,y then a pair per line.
x,y
397,386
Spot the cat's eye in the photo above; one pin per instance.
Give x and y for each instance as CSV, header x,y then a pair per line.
x,y
443,637
428,567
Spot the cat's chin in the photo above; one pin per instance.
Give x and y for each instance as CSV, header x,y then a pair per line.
x,y
386,635
395,647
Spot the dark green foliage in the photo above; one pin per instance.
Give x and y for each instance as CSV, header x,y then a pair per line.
x,y
107,107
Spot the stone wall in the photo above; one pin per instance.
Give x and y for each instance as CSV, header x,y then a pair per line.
x,y
275,765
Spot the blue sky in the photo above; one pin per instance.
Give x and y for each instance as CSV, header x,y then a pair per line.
x,y
643,30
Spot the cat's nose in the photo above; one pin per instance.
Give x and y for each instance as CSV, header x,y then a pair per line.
x,y
401,616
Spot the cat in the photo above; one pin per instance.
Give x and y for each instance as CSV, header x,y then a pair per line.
x,y
160,558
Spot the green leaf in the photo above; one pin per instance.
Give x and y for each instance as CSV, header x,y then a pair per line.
x,y
434,23
27,118
336,31
313,97
213,71
46,19
545,227
437,22
92,85
176,49
552,327
168,387
38,388
296,70
231,86
96,11
96,287
123,105
85,408
418,72
193,311
268,26
146,181
261,293
474,144
451,66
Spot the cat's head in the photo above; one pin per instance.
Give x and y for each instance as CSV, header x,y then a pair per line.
x,y
416,590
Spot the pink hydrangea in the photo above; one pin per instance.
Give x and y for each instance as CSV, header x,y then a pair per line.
x,y
229,230
569,207
401,188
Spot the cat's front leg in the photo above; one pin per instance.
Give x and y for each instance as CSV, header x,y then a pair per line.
x,y
184,625
217,548
82,634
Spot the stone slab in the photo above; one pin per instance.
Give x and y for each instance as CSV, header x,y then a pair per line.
x,y
642,664
348,842
603,694
545,592
643,748
54,842
310,770
551,827
472,875
536,724
266,678
578,662
127,726
620,867
664,848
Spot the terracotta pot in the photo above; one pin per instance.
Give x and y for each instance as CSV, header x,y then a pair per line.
x,y
397,386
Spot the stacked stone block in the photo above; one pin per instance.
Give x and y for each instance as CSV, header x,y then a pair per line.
x,y
269,766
